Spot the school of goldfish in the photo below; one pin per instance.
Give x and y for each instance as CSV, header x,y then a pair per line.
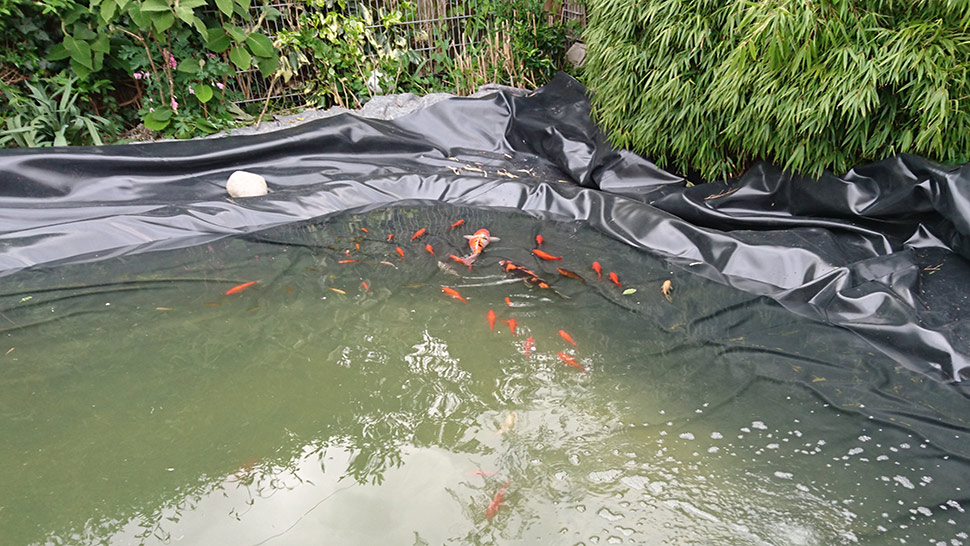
x,y
477,243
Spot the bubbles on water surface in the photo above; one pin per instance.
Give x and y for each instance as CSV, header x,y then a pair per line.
x,y
395,398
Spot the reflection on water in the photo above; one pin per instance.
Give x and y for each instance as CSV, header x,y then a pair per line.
x,y
149,407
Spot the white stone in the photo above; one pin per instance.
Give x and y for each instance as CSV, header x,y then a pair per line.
x,y
246,184
576,54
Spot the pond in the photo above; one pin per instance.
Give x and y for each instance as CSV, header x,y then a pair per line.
x,y
345,398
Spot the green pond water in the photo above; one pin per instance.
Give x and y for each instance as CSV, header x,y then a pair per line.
x,y
139,404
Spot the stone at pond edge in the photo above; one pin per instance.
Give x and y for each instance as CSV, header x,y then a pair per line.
x,y
246,184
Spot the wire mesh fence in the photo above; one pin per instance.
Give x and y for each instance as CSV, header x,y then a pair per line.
x,y
430,28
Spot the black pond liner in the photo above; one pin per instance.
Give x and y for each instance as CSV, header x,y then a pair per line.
x,y
880,252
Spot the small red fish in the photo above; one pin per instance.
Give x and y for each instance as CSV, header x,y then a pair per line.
x,y
599,270
491,319
529,344
457,259
357,245
511,322
569,360
571,274
508,301
477,243
545,255
399,251
364,284
539,240
615,279
496,502
453,293
347,261
567,337
347,252
456,224
364,230
240,288
429,249
389,237
419,233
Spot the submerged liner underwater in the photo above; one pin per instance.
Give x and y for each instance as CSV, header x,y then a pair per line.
x,y
880,252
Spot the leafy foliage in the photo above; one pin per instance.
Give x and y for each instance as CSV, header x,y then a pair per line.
x,y
48,118
712,85
182,67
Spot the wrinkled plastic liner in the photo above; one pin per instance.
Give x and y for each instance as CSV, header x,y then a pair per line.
x,y
880,252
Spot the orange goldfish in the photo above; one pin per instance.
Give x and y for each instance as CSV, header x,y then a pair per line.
x,y
456,224
570,361
347,261
477,243
567,337
572,274
508,301
429,249
511,322
599,270
364,230
364,284
419,233
239,288
539,240
529,344
491,319
389,237
615,279
399,251
496,501
545,255
457,259
453,293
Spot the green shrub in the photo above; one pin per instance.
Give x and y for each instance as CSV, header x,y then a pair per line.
x,y
713,85
45,118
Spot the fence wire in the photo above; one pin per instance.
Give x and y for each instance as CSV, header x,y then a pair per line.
x,y
427,26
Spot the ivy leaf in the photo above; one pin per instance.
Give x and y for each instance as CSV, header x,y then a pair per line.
x,y
153,124
203,93
225,6
102,44
79,51
260,45
189,66
216,40
236,33
58,53
139,17
154,5
163,22
267,65
108,8
185,14
240,57
163,113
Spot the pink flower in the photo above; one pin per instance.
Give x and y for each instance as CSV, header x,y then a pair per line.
x,y
136,75
150,109
220,85
210,55
169,58
175,105
191,91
